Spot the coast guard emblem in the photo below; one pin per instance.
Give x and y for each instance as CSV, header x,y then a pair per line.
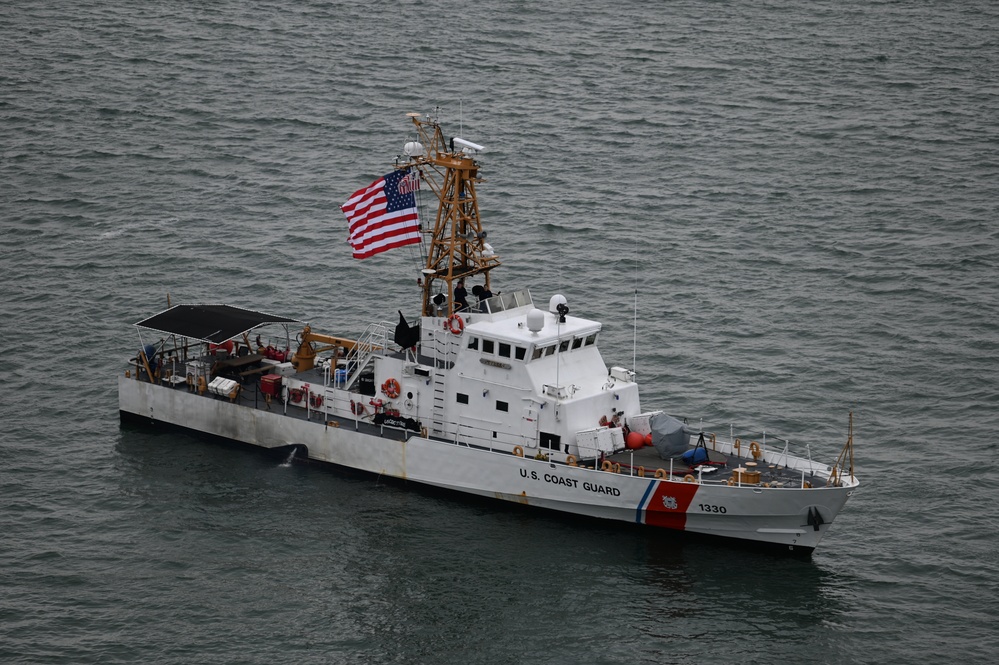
x,y
669,502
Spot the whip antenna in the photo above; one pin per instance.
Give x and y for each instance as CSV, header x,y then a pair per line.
x,y
634,343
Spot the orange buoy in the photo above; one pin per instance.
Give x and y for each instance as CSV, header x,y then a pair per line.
x,y
634,440
648,439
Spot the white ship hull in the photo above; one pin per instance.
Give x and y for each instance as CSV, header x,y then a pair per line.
x,y
773,516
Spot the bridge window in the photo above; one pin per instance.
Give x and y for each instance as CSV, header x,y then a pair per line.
x,y
563,346
488,345
576,343
473,343
591,339
520,352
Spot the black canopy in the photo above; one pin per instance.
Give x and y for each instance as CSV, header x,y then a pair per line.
x,y
209,323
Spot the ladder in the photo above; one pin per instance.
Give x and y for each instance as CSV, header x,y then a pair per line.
x,y
374,341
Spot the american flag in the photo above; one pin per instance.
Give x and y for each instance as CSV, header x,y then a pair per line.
x,y
383,215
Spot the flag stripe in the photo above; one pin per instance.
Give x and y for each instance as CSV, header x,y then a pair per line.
x,y
383,215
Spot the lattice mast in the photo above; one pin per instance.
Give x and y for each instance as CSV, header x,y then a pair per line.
x,y
457,247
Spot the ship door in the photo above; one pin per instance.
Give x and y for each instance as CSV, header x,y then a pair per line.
x,y
529,426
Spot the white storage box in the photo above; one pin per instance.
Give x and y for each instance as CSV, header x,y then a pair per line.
x,y
600,440
640,423
197,368
284,369
223,387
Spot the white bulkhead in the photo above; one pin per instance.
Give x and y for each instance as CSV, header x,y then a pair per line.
x,y
525,377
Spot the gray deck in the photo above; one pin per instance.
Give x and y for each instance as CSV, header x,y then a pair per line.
x,y
719,467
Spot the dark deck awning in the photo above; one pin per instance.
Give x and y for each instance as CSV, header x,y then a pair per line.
x,y
209,323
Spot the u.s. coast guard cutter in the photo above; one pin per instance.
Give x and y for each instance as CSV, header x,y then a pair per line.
x,y
493,395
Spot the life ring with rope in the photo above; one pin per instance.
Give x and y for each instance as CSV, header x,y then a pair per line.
x,y
296,395
315,401
455,324
391,388
357,408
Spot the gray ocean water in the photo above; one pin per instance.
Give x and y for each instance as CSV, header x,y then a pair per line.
x,y
802,195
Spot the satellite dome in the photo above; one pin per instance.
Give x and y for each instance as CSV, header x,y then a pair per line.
x,y
535,320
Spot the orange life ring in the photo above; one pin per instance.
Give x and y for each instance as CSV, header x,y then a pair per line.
x,y
660,473
357,408
296,395
455,324
315,401
391,388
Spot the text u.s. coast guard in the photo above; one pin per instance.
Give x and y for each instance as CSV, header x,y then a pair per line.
x,y
556,479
